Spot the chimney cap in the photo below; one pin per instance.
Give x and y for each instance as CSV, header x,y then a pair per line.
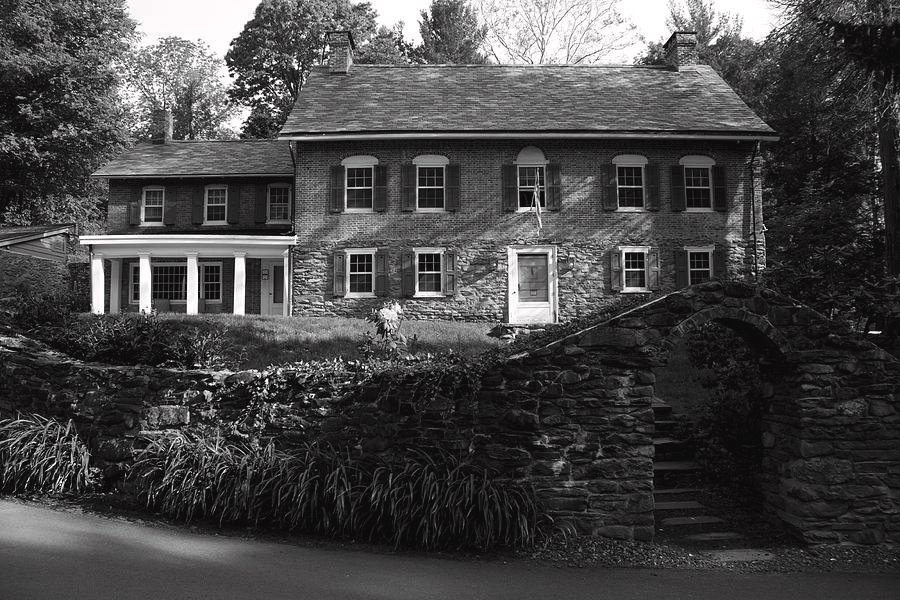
x,y
339,35
679,36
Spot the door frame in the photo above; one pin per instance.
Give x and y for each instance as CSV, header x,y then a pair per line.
x,y
512,293
265,284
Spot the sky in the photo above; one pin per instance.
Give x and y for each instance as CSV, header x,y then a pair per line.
x,y
217,22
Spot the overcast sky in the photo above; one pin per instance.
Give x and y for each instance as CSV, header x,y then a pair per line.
x,y
217,22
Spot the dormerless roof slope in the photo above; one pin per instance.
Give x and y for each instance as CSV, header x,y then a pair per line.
x,y
450,99
193,158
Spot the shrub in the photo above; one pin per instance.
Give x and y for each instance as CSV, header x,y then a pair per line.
x,y
33,311
388,343
420,500
38,454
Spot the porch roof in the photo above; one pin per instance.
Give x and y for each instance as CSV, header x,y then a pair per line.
x,y
175,245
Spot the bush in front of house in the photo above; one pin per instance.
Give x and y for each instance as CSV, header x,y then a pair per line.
x,y
41,455
421,500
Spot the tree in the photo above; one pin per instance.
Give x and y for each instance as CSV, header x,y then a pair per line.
x,y
387,47
554,31
451,34
60,116
271,57
184,77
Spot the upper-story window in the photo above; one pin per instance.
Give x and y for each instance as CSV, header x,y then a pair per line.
x,y
359,183
630,181
279,203
430,182
152,205
531,177
698,182
215,206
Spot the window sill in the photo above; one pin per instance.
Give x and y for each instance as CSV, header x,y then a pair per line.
x,y
359,210
431,210
635,291
360,295
152,224
429,295
278,222
530,209
631,209
699,210
215,223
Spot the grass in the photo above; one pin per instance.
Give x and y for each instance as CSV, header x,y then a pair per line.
x,y
258,342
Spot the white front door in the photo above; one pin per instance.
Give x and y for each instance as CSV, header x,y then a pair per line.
x,y
532,284
272,287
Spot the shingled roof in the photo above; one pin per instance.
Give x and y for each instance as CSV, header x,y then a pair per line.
x,y
436,99
207,158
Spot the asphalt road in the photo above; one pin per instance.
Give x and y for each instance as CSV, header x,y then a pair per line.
x,y
47,554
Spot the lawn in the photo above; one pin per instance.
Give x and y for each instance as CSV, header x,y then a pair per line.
x,y
262,341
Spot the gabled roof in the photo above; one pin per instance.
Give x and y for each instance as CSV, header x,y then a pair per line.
x,y
617,101
15,234
207,158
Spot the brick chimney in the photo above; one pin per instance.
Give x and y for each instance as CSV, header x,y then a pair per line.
x,y
681,49
340,56
161,126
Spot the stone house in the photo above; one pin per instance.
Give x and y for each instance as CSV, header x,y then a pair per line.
x,y
525,194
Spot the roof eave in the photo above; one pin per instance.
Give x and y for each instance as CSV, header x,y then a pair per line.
x,y
100,175
29,237
763,136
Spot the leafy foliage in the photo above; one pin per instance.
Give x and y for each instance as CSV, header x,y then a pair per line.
x,y
40,455
387,47
388,343
451,34
424,500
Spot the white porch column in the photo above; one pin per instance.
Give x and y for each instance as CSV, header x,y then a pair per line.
x,y
240,282
98,293
115,285
193,284
286,287
145,298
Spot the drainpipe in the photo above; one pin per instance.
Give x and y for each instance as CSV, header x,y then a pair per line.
x,y
753,158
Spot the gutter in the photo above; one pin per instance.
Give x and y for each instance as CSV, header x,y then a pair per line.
x,y
343,137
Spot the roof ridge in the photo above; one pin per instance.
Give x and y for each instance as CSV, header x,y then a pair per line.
x,y
507,65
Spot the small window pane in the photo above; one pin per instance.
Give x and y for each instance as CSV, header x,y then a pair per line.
x,y
279,204
429,272
360,273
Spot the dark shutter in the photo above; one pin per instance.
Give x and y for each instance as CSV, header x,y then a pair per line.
x,y
450,277
379,194
408,188
720,263
651,187
451,187
261,203
337,189
381,284
339,259
134,207
610,187
169,209
615,270
678,201
720,188
653,269
197,205
510,188
233,204
681,269
408,274
554,187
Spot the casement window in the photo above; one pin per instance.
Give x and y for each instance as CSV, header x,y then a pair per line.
x,y
215,205
428,272
279,203
168,281
359,185
152,205
699,185
634,269
696,264
429,184
531,178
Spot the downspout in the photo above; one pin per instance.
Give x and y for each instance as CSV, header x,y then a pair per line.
x,y
753,158
289,292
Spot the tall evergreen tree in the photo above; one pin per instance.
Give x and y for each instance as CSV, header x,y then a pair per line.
x,y
386,47
451,34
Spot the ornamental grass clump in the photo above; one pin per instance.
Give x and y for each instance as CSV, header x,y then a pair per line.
x,y
421,500
40,455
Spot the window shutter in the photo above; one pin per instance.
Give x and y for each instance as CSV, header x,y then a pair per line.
x,y
510,188
339,280
337,189
134,208
168,206
261,203
197,205
379,194
554,187
450,273
651,187
615,270
681,269
451,187
233,204
720,188
408,274
653,269
408,188
610,187
381,258
720,263
678,201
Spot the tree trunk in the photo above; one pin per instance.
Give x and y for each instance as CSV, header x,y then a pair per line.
x,y
890,173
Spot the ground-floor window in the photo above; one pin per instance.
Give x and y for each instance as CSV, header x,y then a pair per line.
x,y
429,273
360,273
169,282
700,265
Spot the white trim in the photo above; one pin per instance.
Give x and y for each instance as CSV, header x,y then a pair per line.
x,y
530,156
98,281
134,266
709,250
206,189
541,178
630,160
512,293
443,188
427,135
162,212
645,250
193,175
176,245
269,218
347,253
416,253
360,160
431,160
352,163
697,160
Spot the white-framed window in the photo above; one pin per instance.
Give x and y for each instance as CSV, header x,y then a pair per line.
x,y
699,264
215,205
168,281
635,263
360,273
153,201
698,187
531,174
630,181
211,281
359,183
279,203
429,271
431,175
